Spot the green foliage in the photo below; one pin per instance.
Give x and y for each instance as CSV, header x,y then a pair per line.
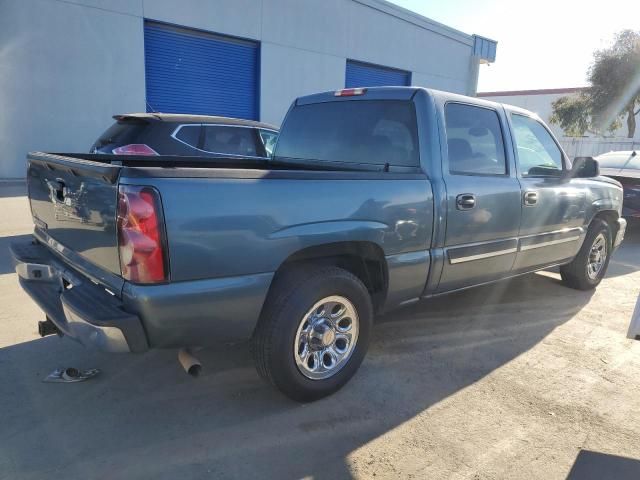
x,y
613,94
573,114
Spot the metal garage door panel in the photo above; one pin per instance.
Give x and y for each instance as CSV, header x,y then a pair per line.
x,y
367,75
188,71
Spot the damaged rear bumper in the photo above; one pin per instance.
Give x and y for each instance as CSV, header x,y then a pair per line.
x,y
79,308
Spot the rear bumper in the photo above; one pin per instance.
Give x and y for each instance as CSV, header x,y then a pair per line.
x,y
80,309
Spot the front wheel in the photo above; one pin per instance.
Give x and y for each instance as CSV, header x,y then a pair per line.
x,y
588,268
314,331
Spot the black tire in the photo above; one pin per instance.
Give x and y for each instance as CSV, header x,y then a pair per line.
x,y
575,274
290,298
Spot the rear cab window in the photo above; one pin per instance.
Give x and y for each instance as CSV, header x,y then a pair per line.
x,y
376,132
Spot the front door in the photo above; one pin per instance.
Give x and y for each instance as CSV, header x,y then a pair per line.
x,y
483,198
553,205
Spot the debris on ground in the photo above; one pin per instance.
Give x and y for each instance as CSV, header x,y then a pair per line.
x,y
70,375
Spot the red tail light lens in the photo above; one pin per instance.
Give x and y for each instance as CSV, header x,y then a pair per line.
x,y
141,242
134,149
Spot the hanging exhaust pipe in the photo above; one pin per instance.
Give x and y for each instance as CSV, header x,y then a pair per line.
x,y
190,363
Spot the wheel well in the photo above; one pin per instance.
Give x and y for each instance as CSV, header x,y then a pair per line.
x,y
365,260
611,217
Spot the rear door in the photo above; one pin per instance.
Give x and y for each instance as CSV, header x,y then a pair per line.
x,y
553,204
483,197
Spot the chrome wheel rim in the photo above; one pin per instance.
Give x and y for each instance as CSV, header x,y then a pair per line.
x,y
326,337
597,256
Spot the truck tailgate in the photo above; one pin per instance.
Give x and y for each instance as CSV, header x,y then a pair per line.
x,y
74,202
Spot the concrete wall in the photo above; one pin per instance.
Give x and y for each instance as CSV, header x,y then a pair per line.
x,y
67,66
63,72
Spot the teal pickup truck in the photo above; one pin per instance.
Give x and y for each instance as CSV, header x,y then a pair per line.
x,y
374,198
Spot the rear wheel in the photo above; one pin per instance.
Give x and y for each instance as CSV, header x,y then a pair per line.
x,y
314,331
590,265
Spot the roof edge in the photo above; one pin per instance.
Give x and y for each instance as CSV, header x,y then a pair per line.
x,y
542,91
417,19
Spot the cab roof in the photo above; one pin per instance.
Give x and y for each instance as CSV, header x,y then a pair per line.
x,y
188,118
401,93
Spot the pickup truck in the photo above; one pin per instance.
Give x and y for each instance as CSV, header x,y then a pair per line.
x,y
374,198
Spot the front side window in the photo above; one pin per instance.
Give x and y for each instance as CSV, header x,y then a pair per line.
x,y
474,140
228,140
538,154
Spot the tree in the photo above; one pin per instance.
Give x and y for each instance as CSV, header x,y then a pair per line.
x,y
573,114
614,92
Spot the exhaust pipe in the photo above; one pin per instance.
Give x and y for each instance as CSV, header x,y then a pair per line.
x,y
190,363
48,328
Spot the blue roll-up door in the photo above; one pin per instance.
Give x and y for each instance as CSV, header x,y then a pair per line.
x,y
188,71
367,75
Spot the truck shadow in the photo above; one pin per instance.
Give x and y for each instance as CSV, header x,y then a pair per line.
x,y
595,465
626,259
143,417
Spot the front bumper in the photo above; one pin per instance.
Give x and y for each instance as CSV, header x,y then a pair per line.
x,y
80,309
622,228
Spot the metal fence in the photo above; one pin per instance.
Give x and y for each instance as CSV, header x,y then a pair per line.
x,y
590,147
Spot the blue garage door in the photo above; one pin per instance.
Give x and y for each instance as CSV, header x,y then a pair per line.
x,y
366,75
188,71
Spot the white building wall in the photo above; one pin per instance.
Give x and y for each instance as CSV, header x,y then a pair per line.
x,y
538,103
587,145
63,73
67,66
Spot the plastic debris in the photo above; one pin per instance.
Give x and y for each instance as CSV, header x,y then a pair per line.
x,y
70,375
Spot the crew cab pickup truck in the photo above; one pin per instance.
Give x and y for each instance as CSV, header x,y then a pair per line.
x,y
374,198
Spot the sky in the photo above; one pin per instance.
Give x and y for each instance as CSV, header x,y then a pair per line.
x,y
541,44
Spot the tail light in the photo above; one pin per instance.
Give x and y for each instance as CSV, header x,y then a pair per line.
x,y
135,149
141,242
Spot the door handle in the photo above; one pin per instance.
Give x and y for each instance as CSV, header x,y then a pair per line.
x,y
465,201
530,198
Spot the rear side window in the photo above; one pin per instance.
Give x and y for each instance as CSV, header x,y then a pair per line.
x,y
474,140
268,140
357,131
230,140
189,134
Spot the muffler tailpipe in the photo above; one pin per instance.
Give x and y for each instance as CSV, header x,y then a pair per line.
x,y
190,363
47,328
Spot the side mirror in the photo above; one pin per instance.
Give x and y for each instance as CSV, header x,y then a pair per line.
x,y
585,167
